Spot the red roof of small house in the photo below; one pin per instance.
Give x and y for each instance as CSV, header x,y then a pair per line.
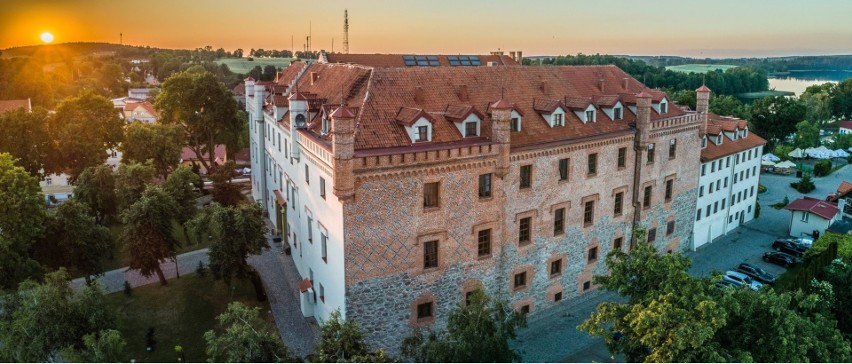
x,y
188,155
824,209
845,124
842,191
239,89
243,156
10,105
145,105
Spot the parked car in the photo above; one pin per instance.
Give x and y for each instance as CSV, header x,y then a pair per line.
x,y
789,246
756,273
805,242
742,279
779,258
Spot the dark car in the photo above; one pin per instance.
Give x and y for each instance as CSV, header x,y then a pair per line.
x,y
756,273
790,247
779,258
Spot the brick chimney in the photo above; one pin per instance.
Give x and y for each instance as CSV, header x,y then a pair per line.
x,y
624,83
418,95
520,56
501,118
702,105
343,149
314,78
463,96
601,84
643,119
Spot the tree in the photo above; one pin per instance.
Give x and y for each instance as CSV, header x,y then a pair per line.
x,y
111,80
180,186
204,107
85,126
775,117
817,100
22,215
269,72
727,105
41,319
341,341
106,346
244,338
841,100
805,184
477,331
131,181
807,134
236,233
160,143
25,136
75,240
148,234
225,192
95,187
238,53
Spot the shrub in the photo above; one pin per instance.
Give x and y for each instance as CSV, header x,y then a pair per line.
x,y
757,209
761,189
805,185
822,167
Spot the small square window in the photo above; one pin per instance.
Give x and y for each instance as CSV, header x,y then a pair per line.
x,y
617,243
422,134
470,129
555,268
670,226
590,116
557,297
520,280
516,124
593,254
652,235
424,310
557,120
587,285
618,113
525,309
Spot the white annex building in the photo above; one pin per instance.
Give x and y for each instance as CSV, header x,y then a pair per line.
x,y
730,172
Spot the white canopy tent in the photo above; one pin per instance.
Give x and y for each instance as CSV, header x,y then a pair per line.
x,y
840,153
770,157
785,164
767,163
797,153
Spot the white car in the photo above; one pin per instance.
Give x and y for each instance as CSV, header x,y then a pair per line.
x,y
742,280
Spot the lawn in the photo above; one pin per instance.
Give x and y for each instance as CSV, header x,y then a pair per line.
x,y
121,257
180,314
700,68
243,65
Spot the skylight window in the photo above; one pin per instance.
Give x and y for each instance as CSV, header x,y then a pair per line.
x,y
422,61
464,60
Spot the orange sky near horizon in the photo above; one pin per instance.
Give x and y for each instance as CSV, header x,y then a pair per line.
x,y
718,28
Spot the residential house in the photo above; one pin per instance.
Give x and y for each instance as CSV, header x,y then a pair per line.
x,y
810,214
845,127
140,111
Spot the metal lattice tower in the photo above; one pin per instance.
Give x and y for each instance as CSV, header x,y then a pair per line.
x,y
346,31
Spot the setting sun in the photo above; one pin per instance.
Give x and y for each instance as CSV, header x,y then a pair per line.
x,y
46,37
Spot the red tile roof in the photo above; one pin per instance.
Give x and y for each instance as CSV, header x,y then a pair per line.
x,y
10,105
187,154
239,89
842,191
845,124
824,209
716,125
147,106
242,156
395,60
703,88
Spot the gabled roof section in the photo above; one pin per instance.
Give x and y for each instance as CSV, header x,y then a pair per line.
x,y
716,125
547,106
824,209
845,124
457,113
10,105
408,116
606,100
577,103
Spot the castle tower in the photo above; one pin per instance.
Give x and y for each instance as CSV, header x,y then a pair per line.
x,y
702,105
643,119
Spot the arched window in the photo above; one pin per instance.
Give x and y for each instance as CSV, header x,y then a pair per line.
x,y
300,121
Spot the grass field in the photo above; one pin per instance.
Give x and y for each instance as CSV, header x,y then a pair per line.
x,y
180,314
121,257
700,68
243,65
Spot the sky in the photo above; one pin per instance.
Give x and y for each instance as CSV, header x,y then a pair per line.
x,y
708,28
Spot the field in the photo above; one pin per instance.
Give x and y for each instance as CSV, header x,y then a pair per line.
x,y
180,313
243,65
700,68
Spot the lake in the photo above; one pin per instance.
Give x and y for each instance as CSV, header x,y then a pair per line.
x,y
798,81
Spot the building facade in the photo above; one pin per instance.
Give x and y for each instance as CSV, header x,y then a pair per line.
x,y
729,176
400,189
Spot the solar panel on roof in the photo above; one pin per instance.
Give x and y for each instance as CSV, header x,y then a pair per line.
x,y
434,63
464,58
452,58
474,58
454,62
422,63
432,58
475,63
420,58
410,62
465,63
408,58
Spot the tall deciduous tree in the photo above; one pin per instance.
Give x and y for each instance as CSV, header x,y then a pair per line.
x,y
148,233
159,143
204,106
817,100
180,185
341,341
22,215
131,181
85,126
244,338
106,346
775,117
26,138
41,319
95,187
236,233
75,240
477,331
727,105
841,100
807,134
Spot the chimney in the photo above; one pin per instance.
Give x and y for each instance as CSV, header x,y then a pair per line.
x,y
702,106
501,118
343,148
543,87
643,119
624,83
512,55
418,95
314,78
520,56
601,85
463,96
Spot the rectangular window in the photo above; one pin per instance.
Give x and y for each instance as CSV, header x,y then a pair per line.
x,y
718,184
622,157
651,153
322,188
698,215
618,113
470,129
279,142
520,280
700,191
310,230
322,293
589,213
712,167
716,207
805,216
424,310
430,194
670,227
619,203
485,185
559,221
423,133
430,254
557,297
484,243
730,219
555,268
708,211
726,182
669,188
752,192
616,244
524,227
652,235
710,190
324,241
703,169
672,148
557,120
563,169
728,162
307,175
593,164
593,254
590,115
526,176
646,198
516,124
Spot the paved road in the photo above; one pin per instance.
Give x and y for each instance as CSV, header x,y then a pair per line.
x,y
113,281
553,337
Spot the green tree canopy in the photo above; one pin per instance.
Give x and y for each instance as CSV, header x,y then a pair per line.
x,y
106,346
159,143
26,138
775,117
148,233
95,187
22,215
236,233
477,331
75,240
807,134
244,338
841,100
131,181
817,101
341,341
727,105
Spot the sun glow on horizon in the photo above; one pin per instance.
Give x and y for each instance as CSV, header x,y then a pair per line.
x,y
46,37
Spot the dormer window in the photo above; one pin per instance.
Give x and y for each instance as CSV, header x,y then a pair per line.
x,y
325,126
516,124
704,142
590,115
421,134
558,120
471,129
618,113
745,133
719,139
664,107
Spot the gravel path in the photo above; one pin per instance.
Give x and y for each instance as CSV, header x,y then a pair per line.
x,y
113,281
